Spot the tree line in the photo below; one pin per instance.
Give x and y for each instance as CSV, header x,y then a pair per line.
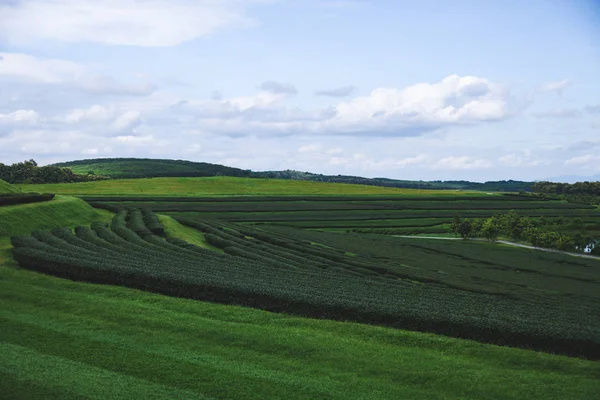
x,y
535,231
557,188
29,172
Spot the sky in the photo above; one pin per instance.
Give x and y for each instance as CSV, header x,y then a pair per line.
x,y
434,90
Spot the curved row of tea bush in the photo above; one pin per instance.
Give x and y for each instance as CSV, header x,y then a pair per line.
x,y
298,278
10,199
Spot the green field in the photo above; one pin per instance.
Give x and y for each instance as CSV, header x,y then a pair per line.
x,y
422,213
7,187
60,212
281,269
218,186
66,339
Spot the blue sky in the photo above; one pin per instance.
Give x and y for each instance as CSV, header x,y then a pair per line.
x,y
478,90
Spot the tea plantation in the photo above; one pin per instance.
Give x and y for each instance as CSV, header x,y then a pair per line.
x,y
377,305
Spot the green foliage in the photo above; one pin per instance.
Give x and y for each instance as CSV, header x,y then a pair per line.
x,y
462,228
281,271
11,199
30,172
123,168
490,229
66,340
7,188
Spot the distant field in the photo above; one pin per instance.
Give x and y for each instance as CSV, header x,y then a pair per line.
x,y
409,213
222,186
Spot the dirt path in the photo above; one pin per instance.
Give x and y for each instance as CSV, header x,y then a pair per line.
x,y
525,246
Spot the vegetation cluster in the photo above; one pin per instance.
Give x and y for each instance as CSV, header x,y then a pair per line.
x,y
30,172
344,278
541,232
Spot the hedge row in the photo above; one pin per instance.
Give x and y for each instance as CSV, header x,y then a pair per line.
x,y
340,291
24,198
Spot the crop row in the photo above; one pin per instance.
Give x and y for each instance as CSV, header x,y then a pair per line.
x,y
321,198
270,270
399,205
23,198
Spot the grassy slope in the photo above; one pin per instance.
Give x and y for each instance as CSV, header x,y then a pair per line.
x,y
59,212
67,340
215,186
6,187
190,235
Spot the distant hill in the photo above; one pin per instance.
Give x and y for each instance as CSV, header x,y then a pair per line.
x,y
6,187
492,186
121,168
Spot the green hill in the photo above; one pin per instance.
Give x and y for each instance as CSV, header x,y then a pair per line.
x,y
121,168
6,187
59,212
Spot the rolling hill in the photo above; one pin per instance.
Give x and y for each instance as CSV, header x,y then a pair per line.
x,y
122,168
65,339
6,187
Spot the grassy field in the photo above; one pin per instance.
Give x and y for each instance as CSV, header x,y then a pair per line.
x,y
219,186
190,235
6,187
65,340
60,212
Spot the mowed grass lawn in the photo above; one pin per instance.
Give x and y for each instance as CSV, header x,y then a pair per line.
x,y
221,186
67,340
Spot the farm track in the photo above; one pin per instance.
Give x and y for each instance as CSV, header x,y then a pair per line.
x,y
524,246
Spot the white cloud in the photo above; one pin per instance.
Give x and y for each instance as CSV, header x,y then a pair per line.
x,y
100,120
411,111
134,141
556,86
20,117
40,70
584,160
24,68
120,22
127,120
93,114
515,160
454,100
463,162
